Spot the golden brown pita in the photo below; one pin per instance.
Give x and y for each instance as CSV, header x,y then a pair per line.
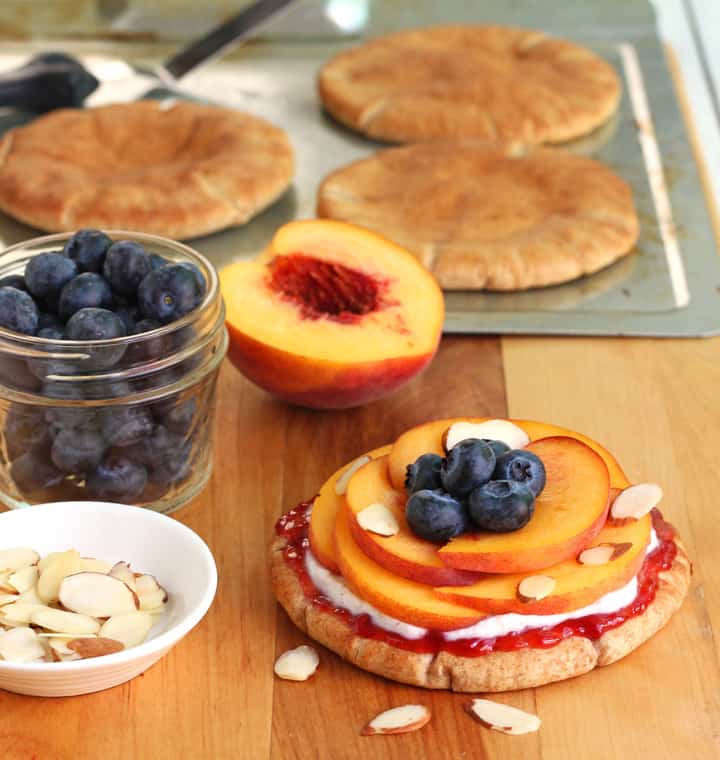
x,y
485,216
497,671
178,171
491,82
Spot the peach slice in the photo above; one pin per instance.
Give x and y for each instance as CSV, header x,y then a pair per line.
x,y
409,601
324,511
404,554
569,512
331,316
427,438
576,584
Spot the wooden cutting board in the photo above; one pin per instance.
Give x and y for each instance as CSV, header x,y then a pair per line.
x,y
654,403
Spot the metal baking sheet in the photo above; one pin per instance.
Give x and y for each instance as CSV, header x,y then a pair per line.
x,y
669,286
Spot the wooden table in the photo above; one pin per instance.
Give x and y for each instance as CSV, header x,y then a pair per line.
x,y
654,403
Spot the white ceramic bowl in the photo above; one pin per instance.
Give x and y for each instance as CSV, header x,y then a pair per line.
x,y
152,543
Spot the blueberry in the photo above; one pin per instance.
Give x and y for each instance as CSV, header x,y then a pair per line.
x,y
499,447
94,324
13,281
126,266
77,449
87,290
468,464
18,311
148,348
168,293
522,466
199,278
178,418
501,506
87,248
126,425
117,477
157,261
47,274
161,445
25,430
424,473
129,315
46,319
435,516
170,470
32,472
51,333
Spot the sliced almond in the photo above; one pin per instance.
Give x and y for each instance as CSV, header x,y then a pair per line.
x,y
533,588
492,430
129,629
59,646
96,647
145,584
16,559
25,579
47,559
297,664
398,720
20,612
341,484
5,586
97,595
52,575
377,518
602,553
30,597
64,622
21,645
504,718
636,501
93,565
122,571
153,601
7,599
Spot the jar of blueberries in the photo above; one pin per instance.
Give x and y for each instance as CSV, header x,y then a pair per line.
x,y
110,345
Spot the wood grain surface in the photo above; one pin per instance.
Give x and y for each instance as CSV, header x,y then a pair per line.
x,y
215,696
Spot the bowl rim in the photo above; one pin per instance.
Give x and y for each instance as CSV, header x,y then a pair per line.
x,y
154,646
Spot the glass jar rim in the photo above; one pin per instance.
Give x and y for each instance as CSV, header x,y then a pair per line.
x,y
211,292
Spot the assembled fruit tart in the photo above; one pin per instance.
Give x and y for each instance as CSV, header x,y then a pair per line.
x,y
481,555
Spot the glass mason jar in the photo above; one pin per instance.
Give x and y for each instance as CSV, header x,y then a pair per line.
x,y
126,420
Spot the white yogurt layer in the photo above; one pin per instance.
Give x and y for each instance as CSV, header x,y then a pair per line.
x,y
333,587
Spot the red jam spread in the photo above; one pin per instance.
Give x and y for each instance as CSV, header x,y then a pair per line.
x,y
293,526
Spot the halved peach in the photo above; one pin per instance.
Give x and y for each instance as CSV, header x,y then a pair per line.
x,y
404,553
569,512
405,600
576,585
427,438
324,512
331,316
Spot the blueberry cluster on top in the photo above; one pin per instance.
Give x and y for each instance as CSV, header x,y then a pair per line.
x,y
97,289
480,484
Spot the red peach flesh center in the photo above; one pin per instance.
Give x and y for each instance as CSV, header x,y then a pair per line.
x,y
324,288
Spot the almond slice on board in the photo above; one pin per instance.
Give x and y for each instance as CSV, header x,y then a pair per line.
x,y
533,588
64,622
297,664
377,518
96,595
504,718
494,430
17,558
602,553
129,629
398,720
21,645
636,501
95,647
341,484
